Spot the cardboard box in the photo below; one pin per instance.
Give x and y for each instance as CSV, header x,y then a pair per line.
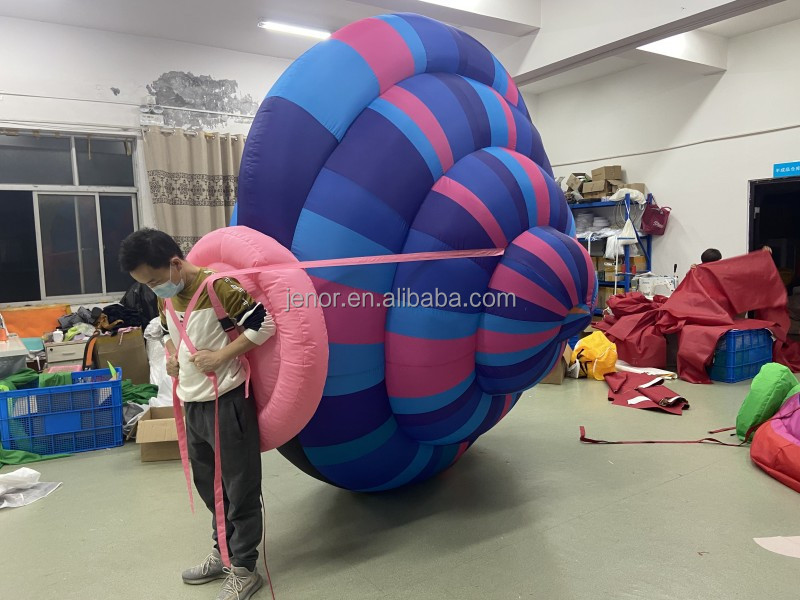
x,y
616,184
126,351
595,189
559,372
640,187
601,188
157,435
603,295
607,172
576,180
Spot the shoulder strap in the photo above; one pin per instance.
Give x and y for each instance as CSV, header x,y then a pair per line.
x,y
222,317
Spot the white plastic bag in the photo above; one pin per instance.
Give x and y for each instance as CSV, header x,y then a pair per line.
x,y
157,357
636,195
22,487
627,236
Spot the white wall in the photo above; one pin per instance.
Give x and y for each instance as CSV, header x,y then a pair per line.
x,y
47,60
66,74
654,107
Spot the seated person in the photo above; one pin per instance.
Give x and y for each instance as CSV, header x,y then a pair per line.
x,y
710,255
713,255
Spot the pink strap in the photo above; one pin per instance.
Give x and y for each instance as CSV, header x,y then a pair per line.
x,y
181,428
219,506
219,310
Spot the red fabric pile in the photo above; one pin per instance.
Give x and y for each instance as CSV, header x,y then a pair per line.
x,y
636,390
701,311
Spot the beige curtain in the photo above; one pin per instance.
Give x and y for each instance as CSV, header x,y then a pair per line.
x,y
193,179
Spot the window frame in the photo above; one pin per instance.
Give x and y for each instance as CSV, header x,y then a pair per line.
x,y
80,190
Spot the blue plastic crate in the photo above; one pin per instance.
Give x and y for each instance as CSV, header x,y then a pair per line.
x,y
741,354
86,415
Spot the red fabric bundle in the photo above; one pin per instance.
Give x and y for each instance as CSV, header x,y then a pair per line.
x,y
633,330
701,311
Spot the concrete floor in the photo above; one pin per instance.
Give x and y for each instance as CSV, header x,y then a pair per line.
x,y
529,512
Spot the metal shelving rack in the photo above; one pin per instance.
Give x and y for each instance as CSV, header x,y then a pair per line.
x,y
644,241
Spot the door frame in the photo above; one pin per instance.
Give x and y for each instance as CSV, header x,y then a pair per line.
x,y
751,208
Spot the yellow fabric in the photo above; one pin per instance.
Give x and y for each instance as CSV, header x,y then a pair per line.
x,y
597,355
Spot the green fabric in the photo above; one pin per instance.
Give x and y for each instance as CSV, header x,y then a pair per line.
x,y
54,379
767,393
793,392
19,457
139,393
18,380
23,379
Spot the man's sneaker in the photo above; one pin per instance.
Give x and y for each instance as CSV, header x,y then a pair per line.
x,y
208,570
240,584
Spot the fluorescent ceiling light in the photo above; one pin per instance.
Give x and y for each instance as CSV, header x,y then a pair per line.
x,y
284,28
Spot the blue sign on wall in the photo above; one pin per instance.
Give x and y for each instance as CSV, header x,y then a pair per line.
x,y
791,169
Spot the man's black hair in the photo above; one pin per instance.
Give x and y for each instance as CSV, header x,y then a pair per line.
x,y
711,255
149,247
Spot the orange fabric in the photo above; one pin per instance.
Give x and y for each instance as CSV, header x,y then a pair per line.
x,y
34,321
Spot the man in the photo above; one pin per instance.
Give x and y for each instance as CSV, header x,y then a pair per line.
x,y
713,255
154,259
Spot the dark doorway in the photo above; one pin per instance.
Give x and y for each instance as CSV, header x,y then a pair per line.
x,y
775,222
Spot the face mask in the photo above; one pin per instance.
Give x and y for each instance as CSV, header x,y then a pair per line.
x,y
168,289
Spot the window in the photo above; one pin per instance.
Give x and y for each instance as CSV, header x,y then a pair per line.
x,y
70,201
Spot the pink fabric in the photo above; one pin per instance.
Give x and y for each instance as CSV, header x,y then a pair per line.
x,y
512,124
381,47
426,121
462,196
352,325
427,352
512,93
590,268
294,362
418,381
539,188
509,279
539,248
291,367
776,445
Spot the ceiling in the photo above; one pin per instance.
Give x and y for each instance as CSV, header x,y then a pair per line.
x,y
600,68
786,11
233,25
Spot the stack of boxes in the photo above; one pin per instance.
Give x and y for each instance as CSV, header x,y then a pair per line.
x,y
604,182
